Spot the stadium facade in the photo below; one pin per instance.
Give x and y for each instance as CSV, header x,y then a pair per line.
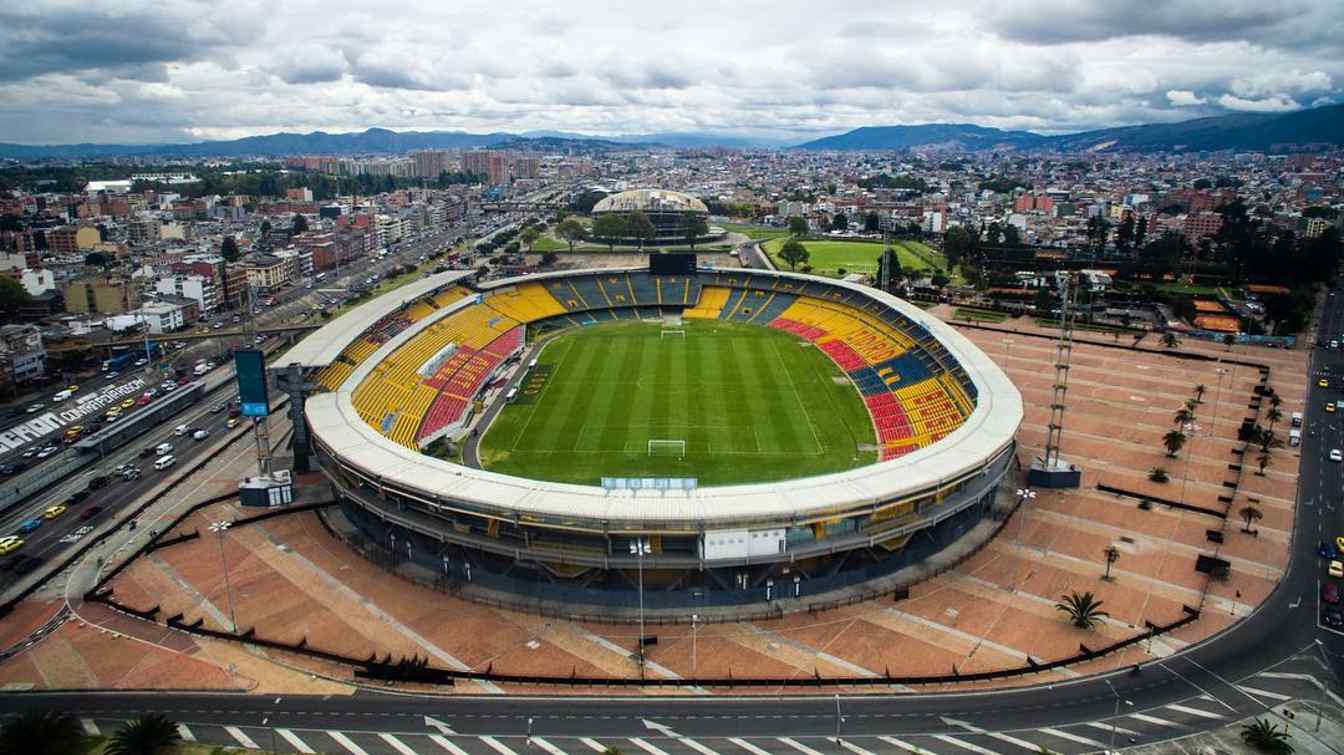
x,y
403,370
669,211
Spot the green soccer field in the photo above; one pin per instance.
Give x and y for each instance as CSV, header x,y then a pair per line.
x,y
747,403
830,257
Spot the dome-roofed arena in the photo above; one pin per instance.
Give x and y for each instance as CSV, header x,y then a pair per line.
x,y
842,432
668,210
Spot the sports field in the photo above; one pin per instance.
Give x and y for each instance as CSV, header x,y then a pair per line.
x,y
748,403
829,257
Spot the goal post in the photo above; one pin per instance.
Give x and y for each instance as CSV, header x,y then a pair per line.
x,y
673,332
667,447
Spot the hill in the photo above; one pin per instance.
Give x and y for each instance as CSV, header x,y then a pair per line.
x,y
1241,131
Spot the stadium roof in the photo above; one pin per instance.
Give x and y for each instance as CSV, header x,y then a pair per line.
x,y
987,432
323,345
650,200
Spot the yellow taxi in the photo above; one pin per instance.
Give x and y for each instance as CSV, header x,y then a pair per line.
x,y
9,544
128,404
1330,406
1339,543
72,388
73,431
54,511
232,423
1323,383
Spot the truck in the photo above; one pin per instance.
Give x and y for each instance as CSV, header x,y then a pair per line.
x,y
125,356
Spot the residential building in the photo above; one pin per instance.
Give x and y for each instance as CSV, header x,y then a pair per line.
x,y
497,168
1200,224
72,239
300,194
158,317
476,162
100,295
267,272
38,281
143,231
22,356
429,163
198,288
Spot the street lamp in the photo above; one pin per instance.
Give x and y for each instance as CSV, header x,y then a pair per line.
x,y
1191,429
640,547
839,719
219,528
1024,495
695,624
1114,725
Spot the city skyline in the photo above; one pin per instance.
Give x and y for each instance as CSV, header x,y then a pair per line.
x,y
195,71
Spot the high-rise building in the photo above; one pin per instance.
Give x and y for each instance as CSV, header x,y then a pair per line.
x,y
497,168
526,167
429,163
476,161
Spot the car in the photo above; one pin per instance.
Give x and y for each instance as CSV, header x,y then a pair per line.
x,y
47,451
9,544
31,452
13,468
200,434
1339,543
90,513
232,423
1330,407
72,388
217,325
54,511
1323,383
181,430
141,362
1330,593
29,525
1333,618
217,408
128,404
1335,455
34,408
142,401
1336,570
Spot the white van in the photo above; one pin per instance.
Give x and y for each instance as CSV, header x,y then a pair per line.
x,y
1294,437
180,430
61,396
1297,419
163,449
163,462
200,435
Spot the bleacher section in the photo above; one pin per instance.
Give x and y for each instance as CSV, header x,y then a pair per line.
x,y
712,299
394,399
528,302
331,376
462,377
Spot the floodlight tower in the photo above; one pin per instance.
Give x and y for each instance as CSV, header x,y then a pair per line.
x,y
1051,471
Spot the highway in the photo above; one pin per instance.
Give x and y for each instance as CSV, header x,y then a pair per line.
x,y
1280,651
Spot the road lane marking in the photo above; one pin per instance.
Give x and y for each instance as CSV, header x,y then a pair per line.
x,y
1154,720
1263,693
948,738
799,746
1072,737
905,745
646,747
694,745
345,742
443,742
185,733
854,748
749,747
1194,711
90,727
547,746
593,744
396,744
1012,740
1111,728
295,742
242,738
497,746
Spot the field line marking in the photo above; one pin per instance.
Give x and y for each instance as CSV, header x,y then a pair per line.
x,y
532,411
816,439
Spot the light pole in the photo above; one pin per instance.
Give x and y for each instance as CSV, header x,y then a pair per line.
x,y
1114,725
695,624
640,547
1192,430
1024,495
839,719
219,528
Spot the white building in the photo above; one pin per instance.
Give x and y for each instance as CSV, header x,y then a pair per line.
x,y
22,355
37,282
198,288
160,317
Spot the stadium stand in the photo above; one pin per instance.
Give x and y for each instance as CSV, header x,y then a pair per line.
x,y
528,302
712,299
462,377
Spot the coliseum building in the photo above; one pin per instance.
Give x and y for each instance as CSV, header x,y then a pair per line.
x,y
401,371
668,210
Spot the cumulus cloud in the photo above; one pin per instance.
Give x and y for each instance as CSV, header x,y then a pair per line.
x,y
1184,98
119,71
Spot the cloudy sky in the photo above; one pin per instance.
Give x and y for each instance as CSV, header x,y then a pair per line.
x,y
120,71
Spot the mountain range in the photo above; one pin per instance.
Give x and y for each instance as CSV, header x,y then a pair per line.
x,y
1240,131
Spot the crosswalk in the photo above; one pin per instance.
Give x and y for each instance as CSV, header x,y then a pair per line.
x,y
1129,727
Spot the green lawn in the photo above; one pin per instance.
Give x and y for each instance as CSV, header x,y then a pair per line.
x,y
754,231
983,315
829,257
751,403
549,244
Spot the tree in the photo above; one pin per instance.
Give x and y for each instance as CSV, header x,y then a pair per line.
x,y
794,253
797,226
1098,230
1011,236
840,222
265,228
1183,416
1084,609
571,230
1273,415
1174,441
1112,555
13,295
529,237
1124,234
97,259
1141,231
1228,340
1199,393
41,733
299,225
694,228
1262,462
1266,737
872,223
610,228
1170,340
229,249
148,734
889,267
1158,474
638,226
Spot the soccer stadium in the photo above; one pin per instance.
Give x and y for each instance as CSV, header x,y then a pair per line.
x,y
693,435
667,210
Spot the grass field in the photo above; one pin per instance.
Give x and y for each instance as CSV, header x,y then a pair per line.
x,y
752,405
829,257
754,231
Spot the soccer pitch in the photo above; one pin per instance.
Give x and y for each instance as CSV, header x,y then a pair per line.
x,y
751,404
829,257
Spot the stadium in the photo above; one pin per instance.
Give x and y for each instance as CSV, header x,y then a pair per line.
x,y
681,435
667,210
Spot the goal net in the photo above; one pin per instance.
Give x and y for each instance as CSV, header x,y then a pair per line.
x,y
675,448
673,332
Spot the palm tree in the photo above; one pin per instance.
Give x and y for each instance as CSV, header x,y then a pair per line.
x,y
1183,416
150,734
41,733
1084,610
529,237
1273,415
1228,340
1170,340
1251,515
1174,440
1199,393
1191,404
1266,737
1263,462
1274,400
1268,441
1112,555
1158,474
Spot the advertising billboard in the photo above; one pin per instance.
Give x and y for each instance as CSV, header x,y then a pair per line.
x,y
253,398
